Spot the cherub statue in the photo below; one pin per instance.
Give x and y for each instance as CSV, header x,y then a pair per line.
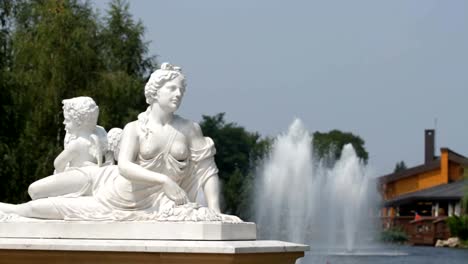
x,y
84,145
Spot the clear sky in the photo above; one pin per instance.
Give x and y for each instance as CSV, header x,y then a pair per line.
x,y
384,70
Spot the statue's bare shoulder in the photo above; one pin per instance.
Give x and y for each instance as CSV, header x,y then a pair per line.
x,y
131,126
192,131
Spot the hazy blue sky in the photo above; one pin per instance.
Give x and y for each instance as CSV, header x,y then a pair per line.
x,y
384,70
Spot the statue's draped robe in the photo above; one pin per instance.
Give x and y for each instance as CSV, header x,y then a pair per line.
x,y
110,196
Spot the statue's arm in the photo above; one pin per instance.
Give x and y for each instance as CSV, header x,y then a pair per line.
x,y
129,148
211,186
67,155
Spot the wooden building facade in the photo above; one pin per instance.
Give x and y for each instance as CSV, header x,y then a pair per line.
x,y
432,191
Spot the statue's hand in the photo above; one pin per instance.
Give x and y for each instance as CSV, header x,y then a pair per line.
x,y
174,192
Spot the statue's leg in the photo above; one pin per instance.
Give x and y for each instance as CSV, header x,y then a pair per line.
x,y
41,208
59,184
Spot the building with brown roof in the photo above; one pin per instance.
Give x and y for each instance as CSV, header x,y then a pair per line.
x,y
431,190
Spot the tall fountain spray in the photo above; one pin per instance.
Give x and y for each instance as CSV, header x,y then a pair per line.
x,y
303,199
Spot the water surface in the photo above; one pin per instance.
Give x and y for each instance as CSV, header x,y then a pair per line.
x,y
400,255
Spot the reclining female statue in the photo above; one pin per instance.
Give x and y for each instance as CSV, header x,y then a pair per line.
x,y
164,162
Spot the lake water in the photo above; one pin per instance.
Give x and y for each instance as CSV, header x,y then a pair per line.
x,y
400,255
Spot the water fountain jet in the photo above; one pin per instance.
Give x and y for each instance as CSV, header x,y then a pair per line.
x,y
303,199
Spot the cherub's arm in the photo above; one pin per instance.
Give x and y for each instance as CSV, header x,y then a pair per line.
x,y
68,154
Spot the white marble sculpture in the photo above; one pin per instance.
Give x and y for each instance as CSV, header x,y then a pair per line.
x,y
164,162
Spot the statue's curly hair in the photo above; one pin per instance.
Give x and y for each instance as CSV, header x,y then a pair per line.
x,y
81,110
85,112
159,77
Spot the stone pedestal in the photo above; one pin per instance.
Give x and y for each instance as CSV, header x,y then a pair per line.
x,y
57,242
80,251
129,230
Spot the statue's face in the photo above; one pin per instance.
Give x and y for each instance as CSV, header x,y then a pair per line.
x,y
169,97
70,124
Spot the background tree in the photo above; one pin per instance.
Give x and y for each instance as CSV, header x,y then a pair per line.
x,y
56,50
237,154
330,144
127,66
400,166
8,122
54,57
6,107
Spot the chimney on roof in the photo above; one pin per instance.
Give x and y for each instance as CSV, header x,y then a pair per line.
x,y
429,146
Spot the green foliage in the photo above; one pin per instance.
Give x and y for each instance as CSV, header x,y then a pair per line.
x,y
54,57
8,115
126,67
237,154
53,50
400,166
458,226
123,47
393,235
329,145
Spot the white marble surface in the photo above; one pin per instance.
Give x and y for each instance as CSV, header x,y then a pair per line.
x,y
159,246
129,230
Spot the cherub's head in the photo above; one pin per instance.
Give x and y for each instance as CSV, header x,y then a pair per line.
x,y
80,113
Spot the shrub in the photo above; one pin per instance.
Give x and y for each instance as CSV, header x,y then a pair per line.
x,y
393,235
458,226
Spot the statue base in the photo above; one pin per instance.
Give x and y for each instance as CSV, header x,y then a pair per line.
x,y
129,230
17,250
